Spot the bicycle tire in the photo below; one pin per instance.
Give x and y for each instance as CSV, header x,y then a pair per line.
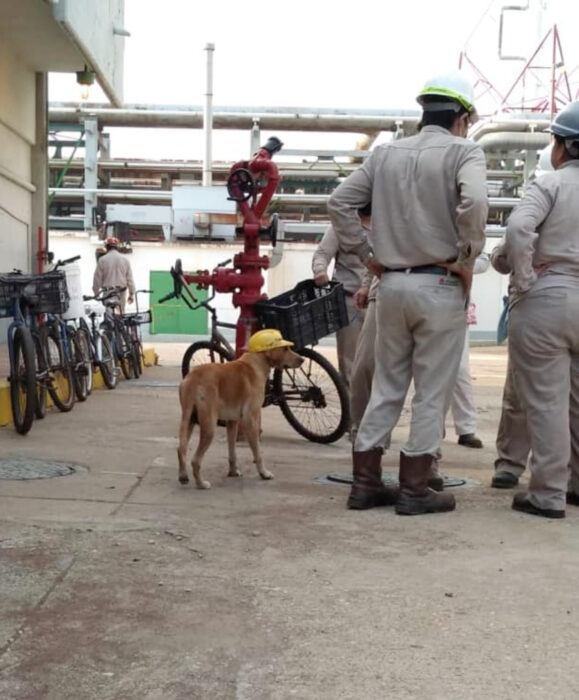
x,y
79,371
60,375
313,398
107,363
205,352
124,351
40,407
138,357
23,381
88,357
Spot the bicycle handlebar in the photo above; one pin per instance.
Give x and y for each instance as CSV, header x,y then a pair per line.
x,y
61,263
171,295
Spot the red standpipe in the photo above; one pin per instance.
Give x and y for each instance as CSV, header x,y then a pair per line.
x,y
245,279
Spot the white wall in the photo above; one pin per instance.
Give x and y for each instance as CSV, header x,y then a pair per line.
x,y
488,288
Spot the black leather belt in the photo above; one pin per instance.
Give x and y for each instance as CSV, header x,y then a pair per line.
x,y
421,269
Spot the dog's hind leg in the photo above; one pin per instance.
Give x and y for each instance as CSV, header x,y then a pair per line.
x,y
252,426
207,424
185,430
231,438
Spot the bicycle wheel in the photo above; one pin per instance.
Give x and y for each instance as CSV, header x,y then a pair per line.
x,y
124,351
41,373
203,352
23,380
60,379
107,363
79,370
138,357
87,357
313,398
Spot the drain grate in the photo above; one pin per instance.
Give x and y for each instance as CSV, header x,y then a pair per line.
x,y
19,468
391,478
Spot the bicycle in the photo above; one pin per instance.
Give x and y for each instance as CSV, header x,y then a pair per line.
x,y
113,324
133,322
101,347
35,365
312,398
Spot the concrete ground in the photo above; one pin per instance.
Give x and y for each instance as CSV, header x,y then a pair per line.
x,y
119,584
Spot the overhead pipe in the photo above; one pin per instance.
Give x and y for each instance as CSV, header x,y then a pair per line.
x,y
283,199
302,120
514,141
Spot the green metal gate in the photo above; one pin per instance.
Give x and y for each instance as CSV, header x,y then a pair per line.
x,y
174,317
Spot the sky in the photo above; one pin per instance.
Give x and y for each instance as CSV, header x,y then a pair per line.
x,y
311,53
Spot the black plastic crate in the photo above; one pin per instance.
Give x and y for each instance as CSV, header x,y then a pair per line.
x,y
11,286
48,293
306,313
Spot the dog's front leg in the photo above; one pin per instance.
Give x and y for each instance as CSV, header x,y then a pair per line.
x,y
252,426
231,438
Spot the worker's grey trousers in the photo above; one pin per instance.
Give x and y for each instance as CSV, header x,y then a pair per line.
x,y
420,323
462,400
513,441
347,339
363,367
544,345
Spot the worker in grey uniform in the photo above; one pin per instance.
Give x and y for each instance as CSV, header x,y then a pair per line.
x,y
513,442
429,210
542,249
114,270
349,271
462,400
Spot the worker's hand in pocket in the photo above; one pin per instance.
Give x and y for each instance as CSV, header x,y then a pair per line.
x,y
361,298
321,279
464,274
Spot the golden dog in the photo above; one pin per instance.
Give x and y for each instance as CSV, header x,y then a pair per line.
x,y
232,392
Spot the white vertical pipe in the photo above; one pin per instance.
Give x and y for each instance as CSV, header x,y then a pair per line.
x,y
208,117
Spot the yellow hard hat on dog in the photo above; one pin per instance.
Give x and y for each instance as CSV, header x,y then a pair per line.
x,y
267,339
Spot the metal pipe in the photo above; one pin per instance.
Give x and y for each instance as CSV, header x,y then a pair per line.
x,y
299,119
514,141
531,123
208,117
166,196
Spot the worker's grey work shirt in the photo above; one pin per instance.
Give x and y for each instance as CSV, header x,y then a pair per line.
x,y
429,202
113,270
543,229
348,268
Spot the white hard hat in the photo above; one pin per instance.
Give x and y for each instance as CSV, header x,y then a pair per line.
x,y
454,85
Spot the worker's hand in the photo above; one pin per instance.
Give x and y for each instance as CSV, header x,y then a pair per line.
x,y
321,279
130,299
375,267
463,273
361,298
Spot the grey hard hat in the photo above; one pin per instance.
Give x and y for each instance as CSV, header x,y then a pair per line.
x,y
566,123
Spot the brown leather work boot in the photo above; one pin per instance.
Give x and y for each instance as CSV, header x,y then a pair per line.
x,y
368,490
415,497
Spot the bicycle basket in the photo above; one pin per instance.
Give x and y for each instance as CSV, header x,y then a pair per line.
x,y
12,286
138,319
48,293
306,313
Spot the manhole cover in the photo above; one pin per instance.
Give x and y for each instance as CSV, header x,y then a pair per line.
x,y
28,468
391,478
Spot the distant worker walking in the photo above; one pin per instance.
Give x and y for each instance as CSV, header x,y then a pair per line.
x,y
114,270
349,270
429,211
